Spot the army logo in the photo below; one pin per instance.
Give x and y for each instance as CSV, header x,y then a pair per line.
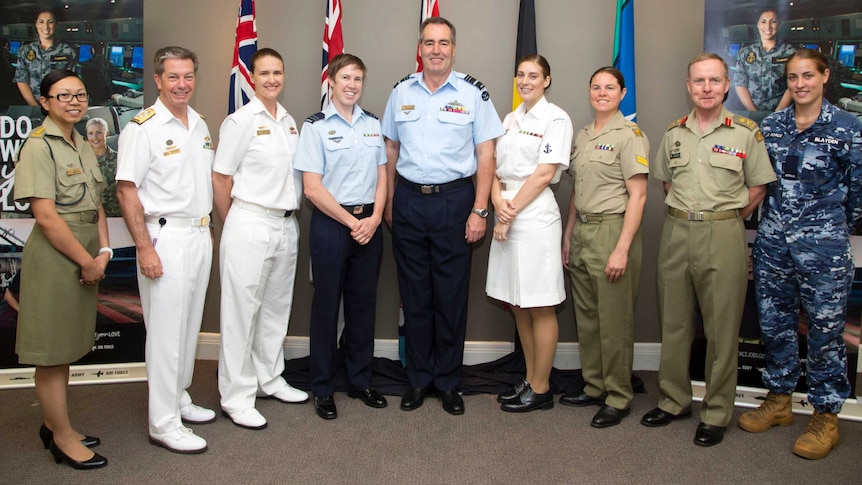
x,y
750,58
31,55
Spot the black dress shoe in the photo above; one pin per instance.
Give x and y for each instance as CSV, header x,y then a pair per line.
x,y
709,435
97,461
452,402
369,396
511,394
659,417
325,407
608,416
413,398
46,435
529,400
580,400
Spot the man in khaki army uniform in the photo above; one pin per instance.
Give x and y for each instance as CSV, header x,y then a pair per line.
x,y
714,168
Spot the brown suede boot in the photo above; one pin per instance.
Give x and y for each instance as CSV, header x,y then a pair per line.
x,y
776,410
820,437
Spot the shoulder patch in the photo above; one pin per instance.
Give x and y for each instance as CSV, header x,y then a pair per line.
x,y
369,113
404,79
38,132
315,117
144,116
679,122
746,122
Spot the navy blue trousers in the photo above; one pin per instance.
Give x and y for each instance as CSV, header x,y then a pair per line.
x,y
434,279
342,268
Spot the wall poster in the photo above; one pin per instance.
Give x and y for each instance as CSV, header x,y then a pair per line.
x,y
103,43
738,30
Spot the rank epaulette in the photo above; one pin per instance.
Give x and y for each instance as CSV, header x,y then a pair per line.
x,y
38,132
404,79
475,82
144,116
635,129
202,116
679,122
746,122
315,117
369,113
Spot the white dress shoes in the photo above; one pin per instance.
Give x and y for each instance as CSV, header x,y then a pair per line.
x,y
193,414
248,418
291,395
181,440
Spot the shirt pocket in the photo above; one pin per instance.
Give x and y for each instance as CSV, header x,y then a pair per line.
x,y
70,187
818,172
605,157
460,126
336,143
406,116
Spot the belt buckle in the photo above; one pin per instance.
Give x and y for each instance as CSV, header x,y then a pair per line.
x,y
583,218
427,189
695,216
95,216
358,209
205,221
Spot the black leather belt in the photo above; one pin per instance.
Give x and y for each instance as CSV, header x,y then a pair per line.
x,y
434,188
360,209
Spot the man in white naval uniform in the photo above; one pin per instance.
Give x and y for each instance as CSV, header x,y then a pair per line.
x,y
256,192
164,188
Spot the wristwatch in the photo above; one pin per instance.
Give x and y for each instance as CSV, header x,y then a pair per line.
x,y
483,213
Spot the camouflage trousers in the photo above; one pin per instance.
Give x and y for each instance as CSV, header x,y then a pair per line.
x,y
818,278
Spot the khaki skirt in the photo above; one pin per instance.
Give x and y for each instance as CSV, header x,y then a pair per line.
x,y
57,320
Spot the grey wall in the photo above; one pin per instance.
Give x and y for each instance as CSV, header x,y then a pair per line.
x,y
575,35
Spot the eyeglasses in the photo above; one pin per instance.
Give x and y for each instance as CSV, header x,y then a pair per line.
x,y
67,97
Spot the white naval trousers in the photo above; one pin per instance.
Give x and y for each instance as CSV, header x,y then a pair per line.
x,y
257,259
173,306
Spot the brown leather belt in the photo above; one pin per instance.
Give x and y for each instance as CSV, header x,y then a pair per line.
x,y
84,216
599,217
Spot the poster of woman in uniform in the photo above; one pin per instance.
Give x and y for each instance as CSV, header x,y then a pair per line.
x,y
756,39
103,43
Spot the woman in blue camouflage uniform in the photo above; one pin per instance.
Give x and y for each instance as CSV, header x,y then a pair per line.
x,y
802,253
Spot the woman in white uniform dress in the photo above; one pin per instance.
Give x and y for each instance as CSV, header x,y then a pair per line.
x,y
524,268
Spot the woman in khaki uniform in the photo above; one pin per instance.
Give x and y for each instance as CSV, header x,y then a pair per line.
x,y
58,175
602,247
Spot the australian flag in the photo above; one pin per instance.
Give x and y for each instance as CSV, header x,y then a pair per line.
x,y
333,44
241,87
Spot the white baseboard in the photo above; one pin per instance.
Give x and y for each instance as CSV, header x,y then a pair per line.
x,y
646,355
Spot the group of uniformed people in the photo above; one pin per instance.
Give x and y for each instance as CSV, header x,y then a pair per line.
x,y
416,170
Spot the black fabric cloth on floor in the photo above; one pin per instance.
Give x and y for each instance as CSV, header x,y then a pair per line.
x,y
390,378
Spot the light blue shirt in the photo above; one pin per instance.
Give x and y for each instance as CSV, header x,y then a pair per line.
x,y
439,131
346,155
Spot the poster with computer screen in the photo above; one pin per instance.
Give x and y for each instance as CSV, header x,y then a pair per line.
x,y
102,42
756,39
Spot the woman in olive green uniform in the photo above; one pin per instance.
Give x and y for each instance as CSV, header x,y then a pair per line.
x,y
602,247
64,258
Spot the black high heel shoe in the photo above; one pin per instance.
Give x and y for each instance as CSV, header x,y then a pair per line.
x,y
47,435
97,461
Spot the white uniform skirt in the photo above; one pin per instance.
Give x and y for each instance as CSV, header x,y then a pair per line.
x,y
526,269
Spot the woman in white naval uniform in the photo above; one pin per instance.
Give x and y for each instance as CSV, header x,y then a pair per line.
x,y
523,267
256,190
